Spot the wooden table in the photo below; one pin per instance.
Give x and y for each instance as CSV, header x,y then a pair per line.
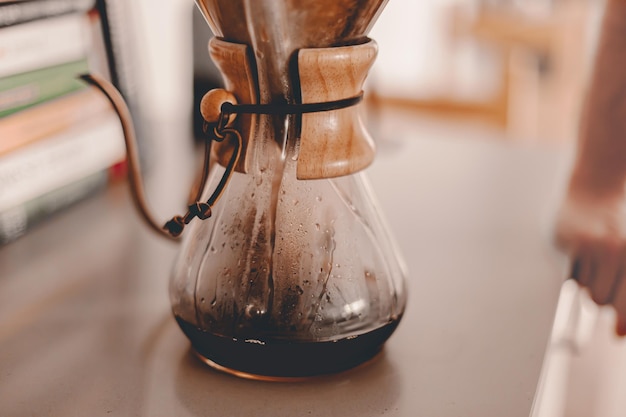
x,y
85,325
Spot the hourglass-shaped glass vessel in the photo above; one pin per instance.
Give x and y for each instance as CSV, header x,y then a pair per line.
x,y
295,273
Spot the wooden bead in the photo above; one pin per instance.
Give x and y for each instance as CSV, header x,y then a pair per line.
x,y
211,104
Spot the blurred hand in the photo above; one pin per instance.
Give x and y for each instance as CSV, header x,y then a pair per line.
x,y
592,221
593,231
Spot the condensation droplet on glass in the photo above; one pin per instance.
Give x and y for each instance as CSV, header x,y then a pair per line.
x,y
252,311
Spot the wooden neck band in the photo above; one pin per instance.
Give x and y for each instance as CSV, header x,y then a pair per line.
x,y
333,140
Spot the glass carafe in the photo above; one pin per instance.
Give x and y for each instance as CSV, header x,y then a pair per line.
x,y
294,274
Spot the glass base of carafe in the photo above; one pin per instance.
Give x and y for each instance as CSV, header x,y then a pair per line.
x,y
269,378
282,360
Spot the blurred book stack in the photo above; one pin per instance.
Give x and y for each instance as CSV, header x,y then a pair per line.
x,y
60,140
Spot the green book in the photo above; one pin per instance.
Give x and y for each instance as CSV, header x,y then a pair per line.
x,y
27,89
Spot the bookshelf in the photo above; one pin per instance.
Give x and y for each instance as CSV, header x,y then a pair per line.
x,y
60,141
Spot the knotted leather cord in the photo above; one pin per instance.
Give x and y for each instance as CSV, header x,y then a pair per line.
x,y
199,209
285,108
203,210
174,227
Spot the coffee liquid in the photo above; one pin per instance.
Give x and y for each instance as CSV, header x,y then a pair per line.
x,y
287,359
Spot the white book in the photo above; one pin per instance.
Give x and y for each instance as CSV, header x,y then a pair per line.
x,y
56,161
16,221
125,30
25,11
42,43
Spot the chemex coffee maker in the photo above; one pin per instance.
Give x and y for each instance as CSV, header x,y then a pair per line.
x,y
286,268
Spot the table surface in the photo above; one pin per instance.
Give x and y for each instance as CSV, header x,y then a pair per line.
x,y
86,329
